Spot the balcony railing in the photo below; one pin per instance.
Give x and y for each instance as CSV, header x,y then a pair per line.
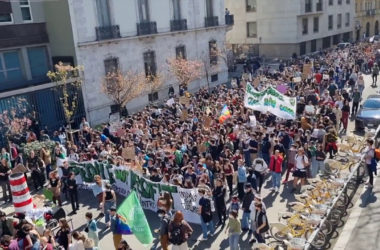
x,y
23,34
319,6
107,32
211,21
146,28
177,25
229,19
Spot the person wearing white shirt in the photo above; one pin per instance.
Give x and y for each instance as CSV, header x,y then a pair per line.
x,y
300,173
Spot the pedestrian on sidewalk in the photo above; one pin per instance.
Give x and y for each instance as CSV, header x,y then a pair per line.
x,y
109,200
242,178
73,192
260,170
234,230
300,171
247,200
262,224
291,162
219,194
55,187
375,73
370,161
92,228
179,232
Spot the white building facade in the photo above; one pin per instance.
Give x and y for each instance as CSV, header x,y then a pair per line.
x,y
141,35
281,28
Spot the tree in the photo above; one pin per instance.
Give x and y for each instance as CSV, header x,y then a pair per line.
x,y
68,83
123,88
185,71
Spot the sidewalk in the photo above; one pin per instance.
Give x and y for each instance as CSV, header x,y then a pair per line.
x,y
362,229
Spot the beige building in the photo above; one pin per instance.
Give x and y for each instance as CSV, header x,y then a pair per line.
x,y
367,18
281,28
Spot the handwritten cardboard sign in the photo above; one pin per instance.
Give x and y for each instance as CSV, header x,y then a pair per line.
x,y
184,115
297,79
306,71
184,100
128,153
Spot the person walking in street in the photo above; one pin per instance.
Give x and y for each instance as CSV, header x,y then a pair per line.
x,y
234,230
92,228
356,98
369,160
164,228
5,171
275,167
114,220
345,115
63,235
247,200
206,215
109,200
242,178
262,224
219,194
291,162
179,232
73,192
300,171
320,159
260,170
375,73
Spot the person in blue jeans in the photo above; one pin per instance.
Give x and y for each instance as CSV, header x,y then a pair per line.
x,y
206,215
234,230
247,200
109,200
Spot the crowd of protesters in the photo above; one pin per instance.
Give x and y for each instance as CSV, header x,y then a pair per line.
x,y
186,145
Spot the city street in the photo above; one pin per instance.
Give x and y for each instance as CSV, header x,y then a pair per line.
x,y
275,203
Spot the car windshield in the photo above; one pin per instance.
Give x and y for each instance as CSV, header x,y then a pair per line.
x,y
372,104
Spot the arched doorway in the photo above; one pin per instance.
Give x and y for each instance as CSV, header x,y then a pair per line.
x,y
376,27
367,30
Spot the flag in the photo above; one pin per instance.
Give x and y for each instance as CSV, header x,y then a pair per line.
x,y
132,213
225,114
122,227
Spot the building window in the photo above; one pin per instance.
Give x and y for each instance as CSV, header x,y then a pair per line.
x,y
209,8
251,5
340,2
348,1
252,29
6,18
38,61
308,5
150,63
305,25
111,65
180,52
143,10
319,5
313,45
10,68
331,2
303,48
339,22
103,11
347,19
214,78
316,24
176,9
213,52
331,22
153,97
25,10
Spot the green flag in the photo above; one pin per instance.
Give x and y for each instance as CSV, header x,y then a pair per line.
x,y
134,215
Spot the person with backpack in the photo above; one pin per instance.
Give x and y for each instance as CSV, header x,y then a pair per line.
x,y
262,224
179,232
370,161
164,228
206,214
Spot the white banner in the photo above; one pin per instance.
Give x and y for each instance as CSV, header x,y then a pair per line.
x,y
124,180
270,100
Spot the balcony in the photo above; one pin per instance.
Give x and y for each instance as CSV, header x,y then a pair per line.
x,y
229,19
319,6
23,34
146,28
107,32
211,21
178,25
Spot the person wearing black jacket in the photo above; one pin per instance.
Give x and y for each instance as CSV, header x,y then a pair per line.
x,y
247,200
219,194
4,182
262,224
72,188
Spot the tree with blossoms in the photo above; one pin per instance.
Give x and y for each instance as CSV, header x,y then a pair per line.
x,y
185,71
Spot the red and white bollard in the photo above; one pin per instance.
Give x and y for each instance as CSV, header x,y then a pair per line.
x,y
22,200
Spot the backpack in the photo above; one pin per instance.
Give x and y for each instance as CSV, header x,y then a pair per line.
x,y
206,210
176,235
377,154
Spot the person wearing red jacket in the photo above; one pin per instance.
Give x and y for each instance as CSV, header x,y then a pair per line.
x,y
276,169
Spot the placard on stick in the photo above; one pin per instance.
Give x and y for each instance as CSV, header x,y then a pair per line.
x,y
306,71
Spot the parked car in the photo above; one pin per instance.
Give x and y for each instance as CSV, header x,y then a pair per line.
x,y
343,45
368,114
